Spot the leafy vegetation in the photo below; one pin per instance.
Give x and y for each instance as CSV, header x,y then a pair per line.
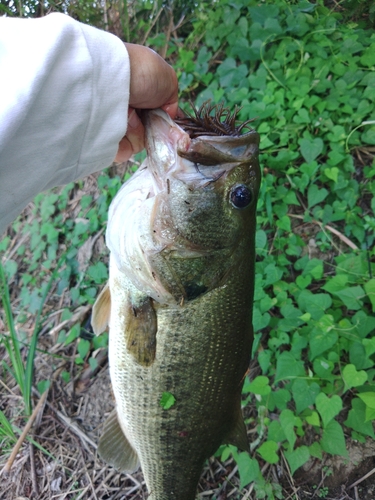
x,y
306,74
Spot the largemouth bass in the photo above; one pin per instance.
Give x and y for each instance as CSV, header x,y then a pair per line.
x,y
179,300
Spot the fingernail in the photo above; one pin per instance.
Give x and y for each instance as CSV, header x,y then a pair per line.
x,y
133,120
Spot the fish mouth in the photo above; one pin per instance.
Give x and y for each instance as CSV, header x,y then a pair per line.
x,y
195,159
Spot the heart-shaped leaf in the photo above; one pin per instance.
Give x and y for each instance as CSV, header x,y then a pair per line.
x,y
315,195
328,407
332,173
311,148
352,378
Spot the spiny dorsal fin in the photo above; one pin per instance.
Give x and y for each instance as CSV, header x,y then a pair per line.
x,y
101,312
115,449
238,435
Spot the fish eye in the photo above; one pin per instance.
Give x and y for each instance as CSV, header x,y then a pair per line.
x,y
241,196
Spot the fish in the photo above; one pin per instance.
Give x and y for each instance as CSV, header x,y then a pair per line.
x,y
178,303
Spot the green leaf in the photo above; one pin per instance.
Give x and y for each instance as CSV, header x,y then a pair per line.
x,y
336,283
275,432
284,223
333,439
314,303
370,291
303,281
357,419
287,366
369,399
248,469
328,407
268,452
315,195
311,148
352,297
167,400
83,347
352,377
316,450
313,419
43,385
304,394
322,336
98,272
296,458
332,173
287,421
260,385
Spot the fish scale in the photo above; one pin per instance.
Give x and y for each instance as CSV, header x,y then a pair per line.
x,y
180,318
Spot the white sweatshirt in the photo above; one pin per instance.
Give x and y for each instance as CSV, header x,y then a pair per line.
x,y
64,93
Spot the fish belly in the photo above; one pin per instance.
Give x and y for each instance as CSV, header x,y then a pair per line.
x,y
202,354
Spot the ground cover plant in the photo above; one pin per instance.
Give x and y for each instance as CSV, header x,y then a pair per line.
x,y
306,73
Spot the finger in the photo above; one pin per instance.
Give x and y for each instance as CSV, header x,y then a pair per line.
x,y
134,141
171,109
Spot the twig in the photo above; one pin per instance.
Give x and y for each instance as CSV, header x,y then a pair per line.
x,y
342,237
32,469
22,437
151,26
72,426
290,478
362,478
356,493
78,314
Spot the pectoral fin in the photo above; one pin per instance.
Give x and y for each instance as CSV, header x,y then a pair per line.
x,y
238,435
115,449
140,331
101,312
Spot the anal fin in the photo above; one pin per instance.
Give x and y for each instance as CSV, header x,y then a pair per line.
x,y
115,449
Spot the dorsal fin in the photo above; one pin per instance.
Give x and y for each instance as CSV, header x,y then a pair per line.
x,y
101,312
114,447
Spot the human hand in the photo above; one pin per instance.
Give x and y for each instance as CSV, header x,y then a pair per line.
x,y
153,84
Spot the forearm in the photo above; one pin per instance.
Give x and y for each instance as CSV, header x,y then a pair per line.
x,y
63,105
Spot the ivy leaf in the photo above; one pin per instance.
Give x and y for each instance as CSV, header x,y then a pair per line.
x,y
268,452
248,469
314,303
83,347
357,419
315,195
296,458
167,400
370,291
260,385
369,399
311,148
287,420
352,297
322,336
328,407
332,173
352,378
288,366
304,394
333,439
313,419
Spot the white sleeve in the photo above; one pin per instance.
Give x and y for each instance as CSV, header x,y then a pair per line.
x,y
64,93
